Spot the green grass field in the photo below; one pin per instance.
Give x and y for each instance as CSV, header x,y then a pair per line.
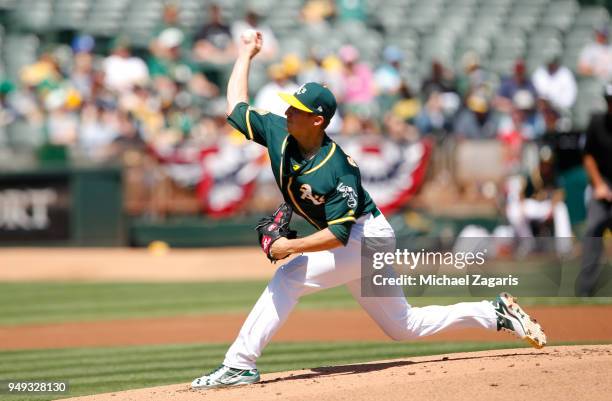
x,y
29,303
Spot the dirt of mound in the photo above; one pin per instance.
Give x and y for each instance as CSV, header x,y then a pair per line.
x,y
554,373
589,324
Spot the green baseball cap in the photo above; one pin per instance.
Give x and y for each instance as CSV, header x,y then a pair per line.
x,y
312,98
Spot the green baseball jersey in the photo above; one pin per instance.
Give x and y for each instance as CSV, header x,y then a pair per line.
x,y
326,189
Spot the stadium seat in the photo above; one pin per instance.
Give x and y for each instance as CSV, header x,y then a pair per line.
x,y
34,16
19,51
560,14
8,4
70,14
592,17
106,18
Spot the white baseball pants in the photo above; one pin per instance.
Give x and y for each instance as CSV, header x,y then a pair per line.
x,y
315,271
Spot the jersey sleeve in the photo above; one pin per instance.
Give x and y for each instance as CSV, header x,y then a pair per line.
x,y
252,123
341,206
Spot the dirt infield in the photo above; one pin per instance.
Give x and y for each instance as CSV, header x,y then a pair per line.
x,y
555,373
588,324
124,264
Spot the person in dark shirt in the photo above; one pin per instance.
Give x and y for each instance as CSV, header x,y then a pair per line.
x,y
437,81
598,165
214,47
510,86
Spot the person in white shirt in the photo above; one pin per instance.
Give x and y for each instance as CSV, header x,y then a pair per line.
x,y
596,57
556,84
122,70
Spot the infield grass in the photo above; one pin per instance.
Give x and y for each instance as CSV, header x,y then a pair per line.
x,y
30,303
98,370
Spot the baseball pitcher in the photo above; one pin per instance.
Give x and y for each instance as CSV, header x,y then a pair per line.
x,y
323,185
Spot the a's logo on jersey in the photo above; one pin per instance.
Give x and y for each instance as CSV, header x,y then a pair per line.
x,y
306,191
349,193
351,161
296,167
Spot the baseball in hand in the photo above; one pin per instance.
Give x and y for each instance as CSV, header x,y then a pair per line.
x,y
249,35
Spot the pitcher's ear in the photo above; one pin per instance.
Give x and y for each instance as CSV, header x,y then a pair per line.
x,y
319,121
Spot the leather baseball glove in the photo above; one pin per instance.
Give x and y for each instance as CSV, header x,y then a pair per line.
x,y
273,227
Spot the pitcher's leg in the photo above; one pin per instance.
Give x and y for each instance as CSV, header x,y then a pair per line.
x,y
400,321
304,274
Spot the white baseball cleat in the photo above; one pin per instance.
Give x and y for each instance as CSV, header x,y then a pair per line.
x,y
511,317
224,376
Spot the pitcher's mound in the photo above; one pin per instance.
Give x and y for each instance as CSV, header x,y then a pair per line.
x,y
553,373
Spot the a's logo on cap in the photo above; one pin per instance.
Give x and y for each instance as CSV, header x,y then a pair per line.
x,y
301,90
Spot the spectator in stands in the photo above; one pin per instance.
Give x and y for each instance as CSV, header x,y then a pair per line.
x,y
388,79
170,22
97,130
62,118
476,120
358,82
440,100
556,84
538,199
523,123
553,121
407,105
267,98
252,20
387,76
129,137
355,124
317,11
475,78
596,57
81,75
439,80
123,71
43,71
398,129
598,165
431,117
213,41
292,66
510,86
168,61
524,119
166,58
322,67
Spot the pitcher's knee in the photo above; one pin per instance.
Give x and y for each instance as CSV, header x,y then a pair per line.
x,y
401,332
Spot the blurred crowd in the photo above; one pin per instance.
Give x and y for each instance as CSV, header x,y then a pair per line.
x,y
99,100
